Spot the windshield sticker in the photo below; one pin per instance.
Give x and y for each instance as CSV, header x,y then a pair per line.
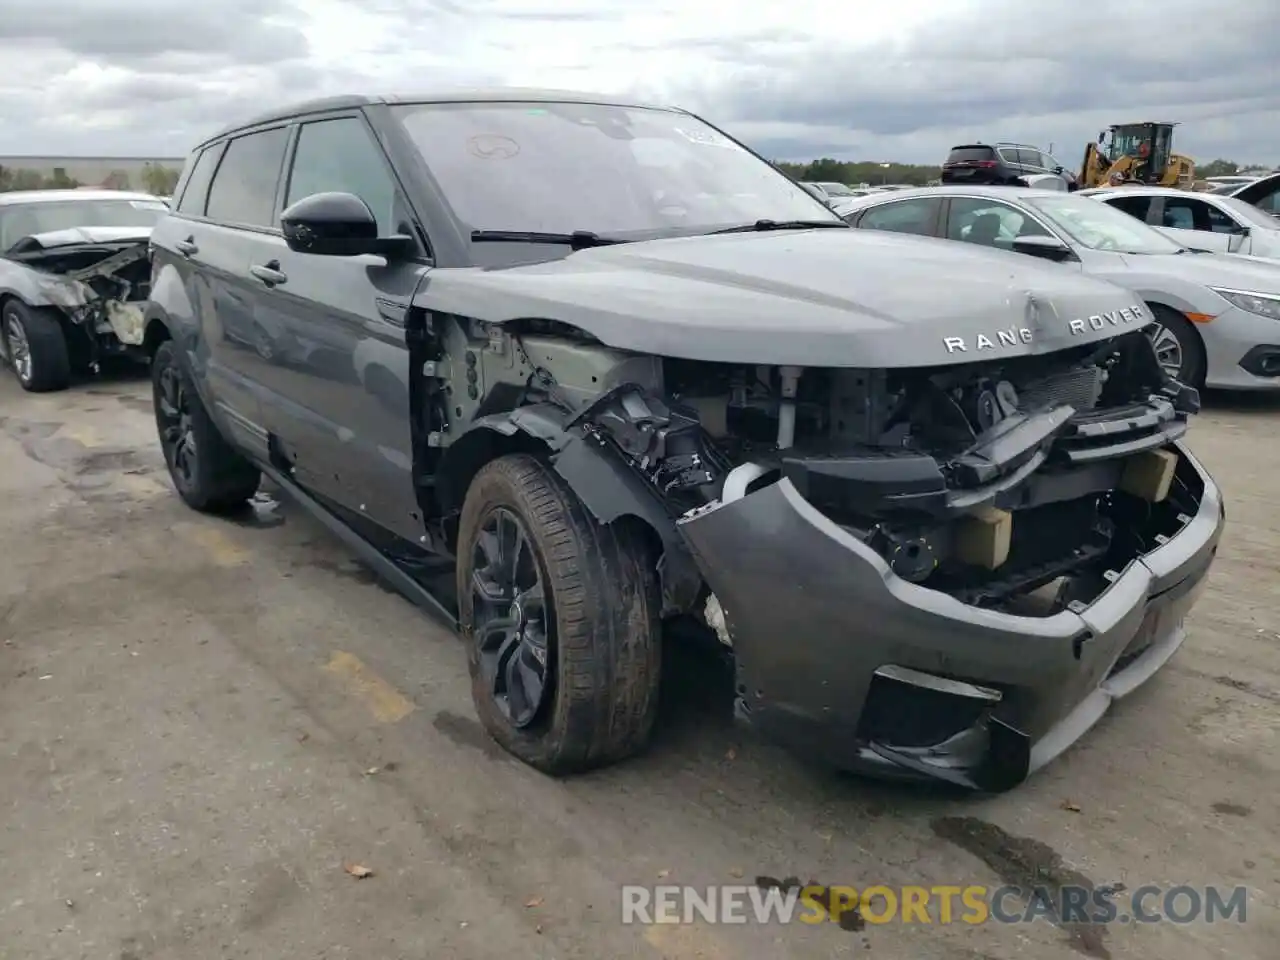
x,y
148,204
492,146
706,138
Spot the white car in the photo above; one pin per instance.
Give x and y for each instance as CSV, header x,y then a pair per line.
x,y
1201,221
1215,318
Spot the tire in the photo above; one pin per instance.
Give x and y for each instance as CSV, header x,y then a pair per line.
x,y
36,347
601,656
208,474
1186,340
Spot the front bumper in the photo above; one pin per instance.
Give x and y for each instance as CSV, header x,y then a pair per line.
x,y
1241,350
844,662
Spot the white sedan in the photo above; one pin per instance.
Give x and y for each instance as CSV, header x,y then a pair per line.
x,y
1201,221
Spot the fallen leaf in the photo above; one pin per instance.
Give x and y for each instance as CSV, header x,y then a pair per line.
x,y
538,928
731,754
357,871
371,771
303,737
663,874
736,872
1068,805
464,924
825,836
533,902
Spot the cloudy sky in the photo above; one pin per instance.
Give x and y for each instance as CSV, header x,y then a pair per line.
x,y
900,80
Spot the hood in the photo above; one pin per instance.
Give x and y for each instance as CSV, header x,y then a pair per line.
x,y
1213,269
79,236
825,298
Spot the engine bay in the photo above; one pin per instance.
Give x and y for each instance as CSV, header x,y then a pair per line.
x,y
1022,485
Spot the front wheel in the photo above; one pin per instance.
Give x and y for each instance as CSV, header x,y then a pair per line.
x,y
1178,346
208,474
36,347
561,620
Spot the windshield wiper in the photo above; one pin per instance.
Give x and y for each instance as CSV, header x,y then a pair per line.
x,y
578,239
763,226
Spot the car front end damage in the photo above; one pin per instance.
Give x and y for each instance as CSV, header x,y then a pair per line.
x,y
944,572
98,278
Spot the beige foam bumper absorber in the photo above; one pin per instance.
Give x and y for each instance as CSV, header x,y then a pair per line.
x,y
982,538
1149,475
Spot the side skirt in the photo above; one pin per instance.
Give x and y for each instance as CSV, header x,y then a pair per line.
x,y
393,574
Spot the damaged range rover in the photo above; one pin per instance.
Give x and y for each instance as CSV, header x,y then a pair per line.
x,y
74,273
932,498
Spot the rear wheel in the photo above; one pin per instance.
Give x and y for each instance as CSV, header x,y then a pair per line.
x,y
1178,346
209,475
561,620
36,347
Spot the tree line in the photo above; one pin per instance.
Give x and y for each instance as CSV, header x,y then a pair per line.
x,y
155,178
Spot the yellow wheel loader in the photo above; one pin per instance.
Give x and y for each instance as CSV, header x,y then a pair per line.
x,y
1131,153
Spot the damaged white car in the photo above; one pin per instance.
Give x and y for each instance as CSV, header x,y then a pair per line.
x,y
75,271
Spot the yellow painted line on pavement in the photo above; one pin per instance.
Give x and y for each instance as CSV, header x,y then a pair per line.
x,y
81,433
685,942
222,550
385,702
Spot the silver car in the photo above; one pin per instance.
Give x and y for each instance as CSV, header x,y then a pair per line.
x,y
1201,221
1217,317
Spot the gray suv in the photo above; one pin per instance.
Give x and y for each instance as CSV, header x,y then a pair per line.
x,y
938,516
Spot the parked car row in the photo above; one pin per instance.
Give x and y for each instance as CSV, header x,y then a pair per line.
x,y
931,498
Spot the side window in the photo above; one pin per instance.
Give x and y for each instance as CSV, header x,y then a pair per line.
x,y
1008,155
989,224
342,156
916,216
244,189
196,192
1029,158
1185,213
1137,207
1270,203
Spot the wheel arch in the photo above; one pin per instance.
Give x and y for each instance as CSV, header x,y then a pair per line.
x,y
609,488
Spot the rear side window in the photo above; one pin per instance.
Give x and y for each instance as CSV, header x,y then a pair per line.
x,y
970,154
917,216
196,193
1137,207
244,189
1029,158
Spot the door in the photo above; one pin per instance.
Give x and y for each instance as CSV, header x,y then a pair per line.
x,y
238,203
338,383
1198,224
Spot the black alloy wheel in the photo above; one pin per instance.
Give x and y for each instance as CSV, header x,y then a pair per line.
x,y
177,429
513,626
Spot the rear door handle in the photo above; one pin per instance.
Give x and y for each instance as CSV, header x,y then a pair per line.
x,y
269,273
187,247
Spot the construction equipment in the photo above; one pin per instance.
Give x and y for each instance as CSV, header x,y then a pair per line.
x,y
1136,153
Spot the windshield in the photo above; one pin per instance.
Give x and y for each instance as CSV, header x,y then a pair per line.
x,y
1097,226
45,216
616,171
836,189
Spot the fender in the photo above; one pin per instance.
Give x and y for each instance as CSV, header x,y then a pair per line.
x,y
605,483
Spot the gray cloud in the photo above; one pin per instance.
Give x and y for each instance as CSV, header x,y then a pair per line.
x,y
240,31
154,76
1007,73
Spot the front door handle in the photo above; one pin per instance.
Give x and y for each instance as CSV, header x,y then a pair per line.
x,y
187,247
269,273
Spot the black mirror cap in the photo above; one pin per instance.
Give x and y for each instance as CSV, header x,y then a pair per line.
x,y
1048,248
330,225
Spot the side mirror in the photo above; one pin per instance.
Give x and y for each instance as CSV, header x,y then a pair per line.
x,y
1235,242
1047,248
337,225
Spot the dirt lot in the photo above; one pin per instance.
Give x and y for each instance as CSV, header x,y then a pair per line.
x,y
202,721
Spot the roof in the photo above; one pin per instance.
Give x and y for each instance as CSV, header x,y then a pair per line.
x,y
460,95
53,196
